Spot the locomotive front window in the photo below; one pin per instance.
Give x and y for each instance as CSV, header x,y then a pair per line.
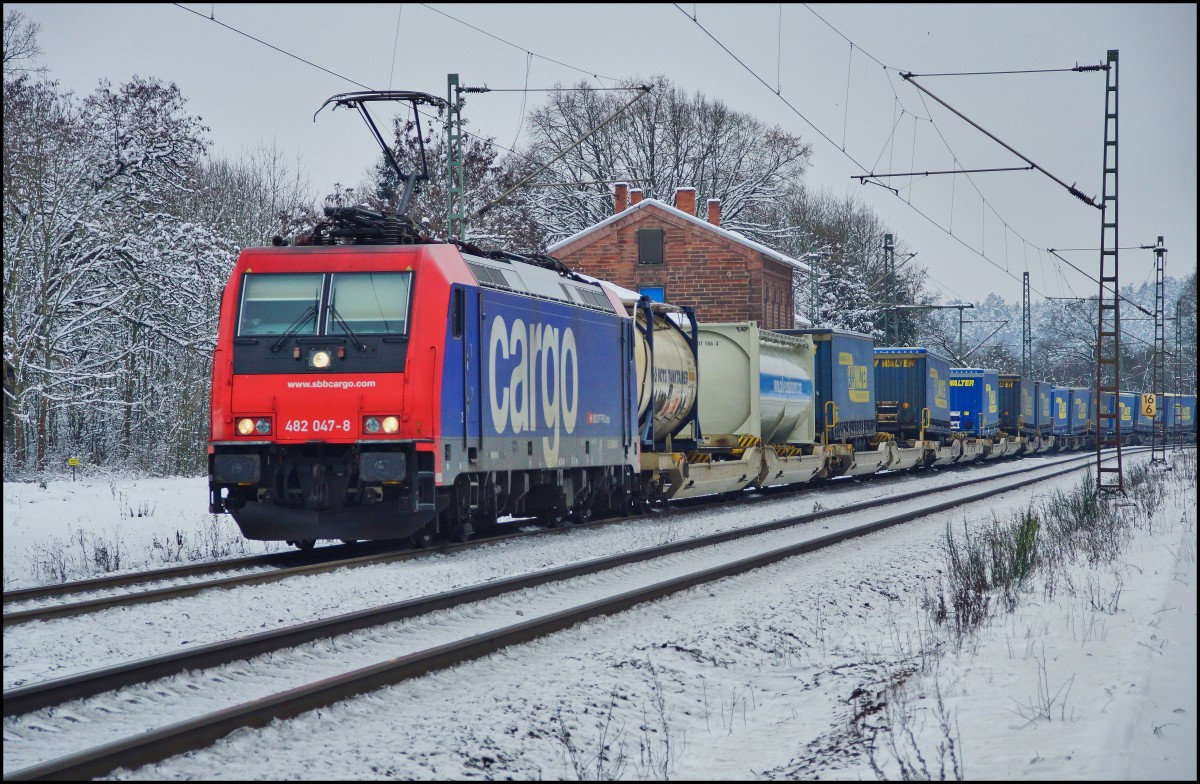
x,y
275,304
369,303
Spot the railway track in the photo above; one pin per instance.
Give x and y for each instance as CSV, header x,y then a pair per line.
x,y
552,599
55,601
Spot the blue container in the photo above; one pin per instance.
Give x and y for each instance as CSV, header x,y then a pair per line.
x,y
1042,421
843,373
907,381
1060,408
1011,411
1180,411
1127,403
1081,411
974,404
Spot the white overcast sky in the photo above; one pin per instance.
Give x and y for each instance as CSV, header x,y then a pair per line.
x,y
249,93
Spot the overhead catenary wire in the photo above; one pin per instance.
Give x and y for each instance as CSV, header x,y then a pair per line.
x,y
395,46
465,134
826,137
886,68
1007,226
581,70
645,89
521,48
271,46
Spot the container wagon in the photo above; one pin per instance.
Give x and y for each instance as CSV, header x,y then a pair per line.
x,y
974,405
912,400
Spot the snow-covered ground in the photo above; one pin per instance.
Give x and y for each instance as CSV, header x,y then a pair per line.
x,y
757,676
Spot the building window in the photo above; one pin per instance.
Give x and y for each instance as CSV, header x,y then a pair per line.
x,y
655,293
650,246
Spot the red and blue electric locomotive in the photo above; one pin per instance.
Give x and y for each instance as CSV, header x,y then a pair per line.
x,y
408,389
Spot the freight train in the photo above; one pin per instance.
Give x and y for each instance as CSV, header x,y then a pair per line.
x,y
371,383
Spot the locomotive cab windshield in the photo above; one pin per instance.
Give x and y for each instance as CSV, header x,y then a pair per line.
x,y
351,304
280,304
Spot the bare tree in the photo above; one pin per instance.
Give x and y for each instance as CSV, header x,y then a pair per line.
x,y
20,44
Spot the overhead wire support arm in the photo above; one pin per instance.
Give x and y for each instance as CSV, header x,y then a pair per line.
x,y
1076,69
1054,252
862,178
1070,188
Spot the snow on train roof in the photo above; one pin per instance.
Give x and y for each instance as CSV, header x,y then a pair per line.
x,y
731,235
536,281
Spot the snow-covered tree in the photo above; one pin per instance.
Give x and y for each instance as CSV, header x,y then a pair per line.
x,y
663,141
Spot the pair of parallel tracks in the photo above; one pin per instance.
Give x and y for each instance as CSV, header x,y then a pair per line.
x,y
157,745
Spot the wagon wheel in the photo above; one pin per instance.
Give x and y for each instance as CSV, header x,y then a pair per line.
x,y
581,513
304,544
422,538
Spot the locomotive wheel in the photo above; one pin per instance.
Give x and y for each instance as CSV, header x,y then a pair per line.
x,y
581,514
421,539
552,518
462,532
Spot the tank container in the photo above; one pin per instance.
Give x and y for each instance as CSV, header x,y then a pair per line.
x,y
666,373
754,382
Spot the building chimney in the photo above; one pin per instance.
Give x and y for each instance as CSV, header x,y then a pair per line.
x,y
635,196
622,196
685,200
714,212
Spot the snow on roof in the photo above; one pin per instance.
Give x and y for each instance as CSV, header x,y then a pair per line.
x,y
731,235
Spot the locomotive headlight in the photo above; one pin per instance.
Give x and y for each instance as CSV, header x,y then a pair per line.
x,y
391,424
371,425
245,427
319,359
263,426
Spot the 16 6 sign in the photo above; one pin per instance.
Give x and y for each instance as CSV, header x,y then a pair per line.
x,y
1149,404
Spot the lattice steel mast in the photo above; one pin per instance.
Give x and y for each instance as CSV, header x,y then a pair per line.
x,y
1158,435
1108,323
891,317
1026,331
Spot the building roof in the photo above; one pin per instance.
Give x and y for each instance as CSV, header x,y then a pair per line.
x,y
732,236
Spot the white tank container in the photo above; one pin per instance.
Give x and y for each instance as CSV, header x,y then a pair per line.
x,y
670,394
754,382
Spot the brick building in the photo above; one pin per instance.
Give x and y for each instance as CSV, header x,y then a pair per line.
x,y
671,255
